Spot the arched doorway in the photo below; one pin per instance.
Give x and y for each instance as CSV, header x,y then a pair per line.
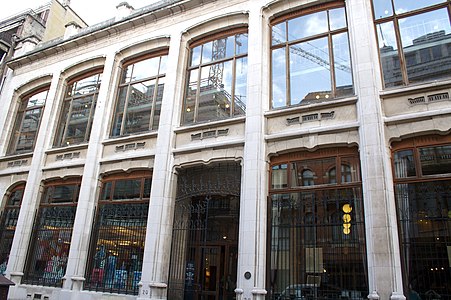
x,y
205,233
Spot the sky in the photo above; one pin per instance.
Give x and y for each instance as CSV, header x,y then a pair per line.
x,y
91,11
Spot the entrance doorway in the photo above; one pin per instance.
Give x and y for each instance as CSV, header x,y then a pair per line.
x,y
204,251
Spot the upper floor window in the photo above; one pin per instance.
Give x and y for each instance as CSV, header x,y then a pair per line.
x,y
27,122
217,79
414,40
310,58
78,109
139,96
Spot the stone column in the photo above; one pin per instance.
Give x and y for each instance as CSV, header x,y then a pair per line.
x,y
31,198
384,267
157,250
251,277
81,234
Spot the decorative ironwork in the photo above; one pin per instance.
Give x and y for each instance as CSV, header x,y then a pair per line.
x,y
8,222
205,233
49,250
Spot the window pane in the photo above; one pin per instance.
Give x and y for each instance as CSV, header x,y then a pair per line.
x,y
389,54
342,65
424,41
120,105
279,33
147,186
279,177
127,189
337,18
350,169
106,191
207,52
37,99
402,6
310,72
127,74
435,160
28,131
241,43
61,194
404,164
79,120
157,109
87,85
139,106
240,86
311,172
382,8
190,97
146,68
195,55
308,25
279,78
215,95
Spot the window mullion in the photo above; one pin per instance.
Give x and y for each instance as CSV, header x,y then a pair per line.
x,y
331,65
124,112
90,120
69,112
402,61
196,104
287,75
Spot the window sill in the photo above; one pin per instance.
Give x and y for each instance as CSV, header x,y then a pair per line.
x,y
129,138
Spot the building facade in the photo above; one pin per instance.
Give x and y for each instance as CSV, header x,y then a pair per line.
x,y
232,150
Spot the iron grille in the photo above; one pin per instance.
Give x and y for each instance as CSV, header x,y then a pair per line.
x,y
117,249
8,222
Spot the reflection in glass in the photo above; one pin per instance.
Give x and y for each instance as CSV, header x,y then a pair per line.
x,y
279,176
404,164
307,25
382,8
337,18
279,82
220,91
138,102
388,52
342,64
27,122
310,71
279,33
402,6
424,39
435,160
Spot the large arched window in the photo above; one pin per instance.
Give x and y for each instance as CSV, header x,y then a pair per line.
x,y
140,94
317,232
216,84
310,58
77,113
52,231
422,177
8,222
117,244
28,119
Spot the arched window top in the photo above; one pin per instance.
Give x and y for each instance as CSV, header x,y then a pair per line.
x,y
15,195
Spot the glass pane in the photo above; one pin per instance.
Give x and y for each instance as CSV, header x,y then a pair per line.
x,y
127,74
216,91
62,123
139,106
402,6
61,194
127,189
342,65
435,160
120,105
240,86
388,52
195,55
310,72
190,97
311,172
87,85
147,186
207,52
404,164
79,120
279,33
424,40
308,25
350,169
157,109
16,197
106,191
279,78
163,63
337,18
241,43
279,177
29,131
37,99
146,68
382,9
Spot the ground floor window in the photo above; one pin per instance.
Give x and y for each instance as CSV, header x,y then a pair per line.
x,y
8,222
119,232
204,252
316,238
423,200
52,232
